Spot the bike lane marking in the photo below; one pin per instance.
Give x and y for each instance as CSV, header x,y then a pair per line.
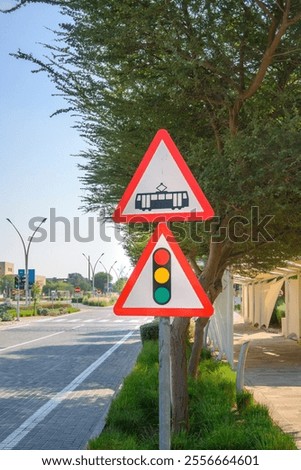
x,y
29,424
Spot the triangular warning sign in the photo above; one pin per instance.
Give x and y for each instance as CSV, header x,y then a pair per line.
x,y
163,283
163,188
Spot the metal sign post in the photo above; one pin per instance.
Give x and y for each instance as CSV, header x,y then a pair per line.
x,y
164,384
18,304
163,284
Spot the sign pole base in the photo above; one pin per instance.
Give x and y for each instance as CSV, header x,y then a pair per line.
x,y
164,384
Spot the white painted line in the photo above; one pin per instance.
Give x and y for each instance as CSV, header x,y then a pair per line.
x,y
45,319
74,321
16,436
88,321
118,321
102,321
31,341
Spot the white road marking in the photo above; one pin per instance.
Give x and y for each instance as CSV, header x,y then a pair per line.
x,y
31,341
29,424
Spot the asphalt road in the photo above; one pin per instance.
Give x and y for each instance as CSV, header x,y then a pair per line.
x,y
58,376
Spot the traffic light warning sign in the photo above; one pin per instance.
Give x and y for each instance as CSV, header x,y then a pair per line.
x,y
163,283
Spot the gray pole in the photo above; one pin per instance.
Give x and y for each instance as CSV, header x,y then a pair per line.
x,y
164,384
18,305
26,253
90,267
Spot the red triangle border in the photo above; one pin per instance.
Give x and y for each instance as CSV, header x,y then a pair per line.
x,y
205,311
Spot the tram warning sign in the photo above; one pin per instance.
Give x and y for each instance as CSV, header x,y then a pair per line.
x,y
163,188
163,283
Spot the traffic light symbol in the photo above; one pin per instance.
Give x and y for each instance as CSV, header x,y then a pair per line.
x,y
161,276
16,282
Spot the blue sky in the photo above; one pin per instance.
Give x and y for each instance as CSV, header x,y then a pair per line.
x,y
38,174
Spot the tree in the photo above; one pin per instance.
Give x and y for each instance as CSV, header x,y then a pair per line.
x,y
6,284
36,294
119,284
224,78
56,285
101,281
77,280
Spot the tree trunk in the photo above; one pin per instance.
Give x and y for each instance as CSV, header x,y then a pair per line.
x,y
212,284
197,346
179,330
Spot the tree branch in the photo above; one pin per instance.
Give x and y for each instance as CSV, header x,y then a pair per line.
x,y
26,2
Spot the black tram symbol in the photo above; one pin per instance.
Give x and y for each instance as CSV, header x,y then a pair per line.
x,y
162,199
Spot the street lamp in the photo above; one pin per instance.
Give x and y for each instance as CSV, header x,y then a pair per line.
x,y
26,253
108,273
92,267
121,272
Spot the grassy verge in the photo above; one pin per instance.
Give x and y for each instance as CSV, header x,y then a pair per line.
x,y
99,301
218,418
57,308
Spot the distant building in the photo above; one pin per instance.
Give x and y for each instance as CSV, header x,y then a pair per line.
x,y
6,268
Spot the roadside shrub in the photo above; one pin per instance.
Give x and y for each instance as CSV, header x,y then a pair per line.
x,y
55,304
43,311
150,331
99,301
6,313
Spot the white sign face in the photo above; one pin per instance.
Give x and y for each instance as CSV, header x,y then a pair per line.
x,y
163,186
182,293
163,283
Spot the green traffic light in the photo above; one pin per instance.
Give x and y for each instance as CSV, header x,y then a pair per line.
x,y
162,295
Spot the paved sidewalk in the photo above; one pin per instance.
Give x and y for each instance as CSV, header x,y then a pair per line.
x,y
273,374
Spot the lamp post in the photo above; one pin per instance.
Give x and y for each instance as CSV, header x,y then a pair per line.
x,y
121,272
108,273
26,253
92,267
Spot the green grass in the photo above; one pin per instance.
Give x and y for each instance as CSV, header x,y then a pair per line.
x,y
56,309
218,418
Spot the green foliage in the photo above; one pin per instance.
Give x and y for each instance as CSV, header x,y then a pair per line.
x,y
101,280
216,421
6,313
222,78
43,311
7,282
46,308
278,312
150,331
99,301
56,285
119,284
244,399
